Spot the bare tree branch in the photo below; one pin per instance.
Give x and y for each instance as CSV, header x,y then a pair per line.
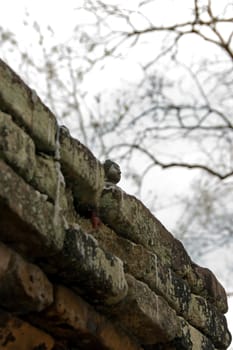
x,y
172,164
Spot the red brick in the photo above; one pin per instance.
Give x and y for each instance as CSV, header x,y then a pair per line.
x,y
72,317
16,334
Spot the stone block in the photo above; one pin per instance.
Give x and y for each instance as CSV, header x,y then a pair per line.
x,y
145,266
23,286
26,108
83,172
190,338
49,180
42,171
26,218
146,315
128,217
207,285
84,265
16,334
71,318
16,147
212,323
45,177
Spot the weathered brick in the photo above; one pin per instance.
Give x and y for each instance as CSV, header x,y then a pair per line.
x,y
189,338
26,218
145,266
72,318
207,285
22,103
146,315
129,218
16,334
47,177
209,320
16,147
42,171
83,172
84,265
23,286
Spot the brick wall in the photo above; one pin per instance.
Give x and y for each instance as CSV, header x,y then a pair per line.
x,y
68,283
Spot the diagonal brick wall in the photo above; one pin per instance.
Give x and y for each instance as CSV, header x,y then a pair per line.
x,y
65,283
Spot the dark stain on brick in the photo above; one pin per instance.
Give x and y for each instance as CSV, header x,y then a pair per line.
x,y
9,338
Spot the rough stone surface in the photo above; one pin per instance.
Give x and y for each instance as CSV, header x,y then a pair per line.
x,y
49,180
23,104
211,322
23,286
25,213
61,223
207,285
70,315
145,266
188,339
82,170
16,147
87,266
16,334
146,315
129,218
